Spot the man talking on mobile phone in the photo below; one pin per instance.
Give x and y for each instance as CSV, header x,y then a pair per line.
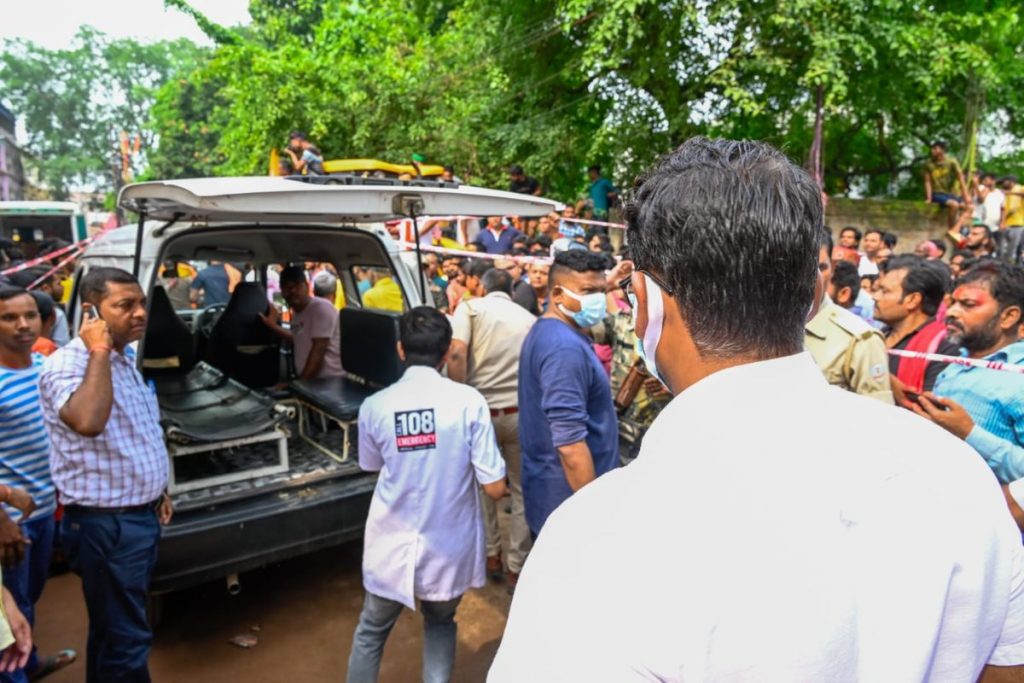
x,y
109,464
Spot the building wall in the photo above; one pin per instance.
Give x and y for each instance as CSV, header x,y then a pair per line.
x,y
912,222
12,175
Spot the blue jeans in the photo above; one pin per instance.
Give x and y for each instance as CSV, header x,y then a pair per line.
x,y
114,554
375,622
26,581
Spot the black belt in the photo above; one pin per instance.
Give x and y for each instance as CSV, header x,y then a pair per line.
x,y
127,509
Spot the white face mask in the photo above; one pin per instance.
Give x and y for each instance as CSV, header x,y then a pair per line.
x,y
647,347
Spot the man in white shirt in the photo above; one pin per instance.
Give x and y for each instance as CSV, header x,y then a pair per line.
x,y
747,542
432,442
992,199
488,334
871,245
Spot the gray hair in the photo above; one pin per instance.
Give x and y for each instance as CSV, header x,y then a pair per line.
x,y
325,285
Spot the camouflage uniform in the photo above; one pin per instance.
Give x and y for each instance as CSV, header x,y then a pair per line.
x,y
644,408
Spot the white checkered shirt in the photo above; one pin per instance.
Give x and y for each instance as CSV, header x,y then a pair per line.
x,y
127,463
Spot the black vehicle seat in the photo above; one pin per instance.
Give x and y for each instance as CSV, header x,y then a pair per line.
x,y
241,346
169,347
369,345
369,356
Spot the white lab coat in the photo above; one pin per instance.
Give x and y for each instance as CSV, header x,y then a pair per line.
x,y
433,443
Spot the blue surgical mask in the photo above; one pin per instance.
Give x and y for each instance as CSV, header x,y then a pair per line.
x,y
364,286
647,347
593,308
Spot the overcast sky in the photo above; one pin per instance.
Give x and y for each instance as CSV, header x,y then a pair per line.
x,y
53,23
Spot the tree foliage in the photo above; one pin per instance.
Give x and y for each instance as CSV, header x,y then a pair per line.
x,y
553,85
75,101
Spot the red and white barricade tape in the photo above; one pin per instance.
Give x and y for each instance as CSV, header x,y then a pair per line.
x,y
587,221
960,360
77,247
409,246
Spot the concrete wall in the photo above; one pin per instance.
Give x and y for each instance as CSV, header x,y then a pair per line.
x,y
911,221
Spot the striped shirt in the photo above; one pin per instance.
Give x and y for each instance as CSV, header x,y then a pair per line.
x,y
995,401
24,446
127,463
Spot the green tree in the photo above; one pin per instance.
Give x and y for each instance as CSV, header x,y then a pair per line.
x,y
892,75
75,101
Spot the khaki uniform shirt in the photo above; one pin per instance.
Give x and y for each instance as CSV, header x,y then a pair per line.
x,y
493,327
850,352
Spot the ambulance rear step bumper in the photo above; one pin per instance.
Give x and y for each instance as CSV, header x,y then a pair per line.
x,y
208,543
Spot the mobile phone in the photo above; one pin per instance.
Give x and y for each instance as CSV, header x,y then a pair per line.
x,y
90,312
916,398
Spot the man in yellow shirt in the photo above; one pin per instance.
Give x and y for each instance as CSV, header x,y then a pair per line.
x,y
385,293
1012,224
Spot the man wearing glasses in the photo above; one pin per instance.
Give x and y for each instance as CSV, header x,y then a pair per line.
x,y
749,540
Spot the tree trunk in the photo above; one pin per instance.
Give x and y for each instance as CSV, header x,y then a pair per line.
x,y
815,162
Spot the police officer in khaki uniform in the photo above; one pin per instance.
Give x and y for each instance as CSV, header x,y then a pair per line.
x,y
850,353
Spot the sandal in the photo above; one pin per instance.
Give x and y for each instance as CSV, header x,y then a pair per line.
x,y
53,664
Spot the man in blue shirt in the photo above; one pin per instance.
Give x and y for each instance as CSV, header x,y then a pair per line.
x,y
214,283
981,406
26,487
497,238
602,192
567,424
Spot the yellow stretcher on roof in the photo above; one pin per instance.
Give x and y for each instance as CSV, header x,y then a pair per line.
x,y
370,168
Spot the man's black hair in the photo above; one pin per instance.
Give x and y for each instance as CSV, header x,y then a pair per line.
x,y
520,251
426,335
890,240
1005,281
11,291
450,169
940,245
23,278
594,167
477,267
968,262
497,280
844,274
734,228
941,144
296,134
826,241
45,304
542,240
930,279
1009,177
850,228
515,169
987,174
875,231
576,260
94,284
293,274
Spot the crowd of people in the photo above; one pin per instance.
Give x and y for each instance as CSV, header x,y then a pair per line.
x,y
750,537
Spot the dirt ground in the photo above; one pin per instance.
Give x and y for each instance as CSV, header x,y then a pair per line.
x,y
305,610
